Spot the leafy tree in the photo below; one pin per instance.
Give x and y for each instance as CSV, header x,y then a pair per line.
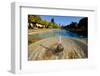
x,y
79,28
34,18
83,23
44,23
52,20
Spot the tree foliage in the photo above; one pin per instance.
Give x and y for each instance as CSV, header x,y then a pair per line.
x,y
34,18
52,20
79,28
37,19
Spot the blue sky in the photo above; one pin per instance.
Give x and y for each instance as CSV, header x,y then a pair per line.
x,y
63,20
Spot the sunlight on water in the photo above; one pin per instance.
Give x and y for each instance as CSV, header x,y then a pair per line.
x,y
57,33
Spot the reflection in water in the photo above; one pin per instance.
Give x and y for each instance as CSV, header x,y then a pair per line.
x,y
59,33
